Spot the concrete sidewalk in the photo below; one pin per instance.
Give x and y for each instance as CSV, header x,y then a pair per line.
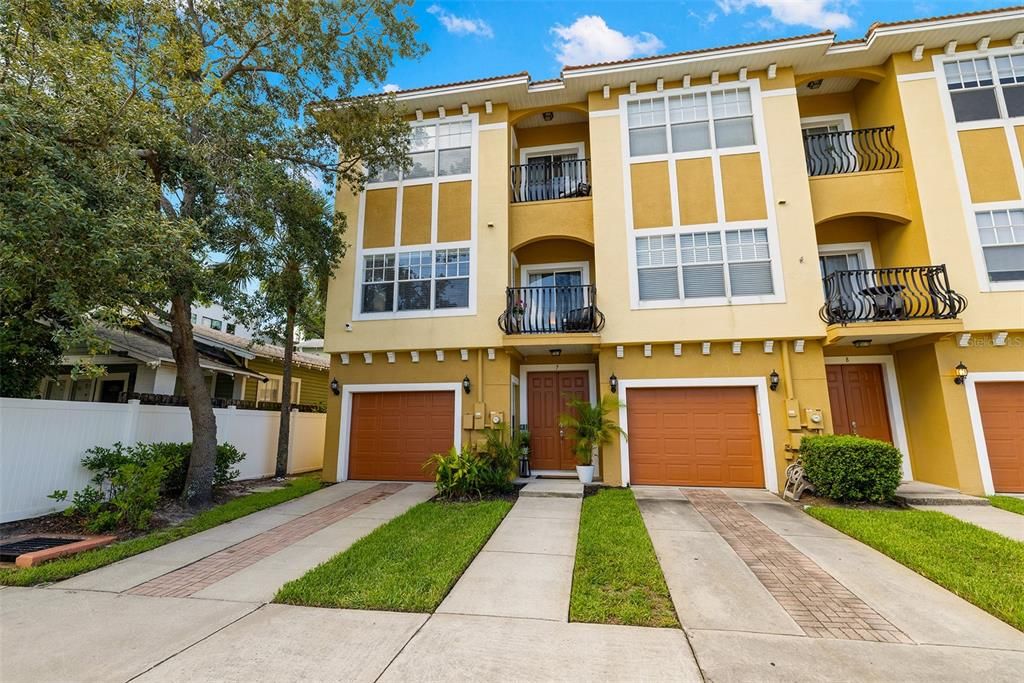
x,y
525,569
1004,522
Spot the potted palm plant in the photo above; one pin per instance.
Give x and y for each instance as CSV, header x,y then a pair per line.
x,y
591,430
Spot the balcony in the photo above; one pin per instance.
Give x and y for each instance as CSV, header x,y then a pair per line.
x,y
558,309
899,303
856,173
851,151
544,181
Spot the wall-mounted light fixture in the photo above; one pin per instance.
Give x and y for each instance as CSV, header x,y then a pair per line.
x,y
556,352
961,373
548,115
466,386
815,84
773,381
334,386
613,383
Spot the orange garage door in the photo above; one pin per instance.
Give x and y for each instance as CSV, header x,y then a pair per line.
x,y
1002,417
700,436
394,433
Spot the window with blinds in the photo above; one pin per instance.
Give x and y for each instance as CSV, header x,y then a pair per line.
x,y
691,122
1002,241
703,265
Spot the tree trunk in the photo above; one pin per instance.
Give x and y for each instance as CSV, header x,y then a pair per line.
x,y
199,479
286,395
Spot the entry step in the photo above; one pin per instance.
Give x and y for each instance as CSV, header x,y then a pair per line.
x,y
552,488
922,493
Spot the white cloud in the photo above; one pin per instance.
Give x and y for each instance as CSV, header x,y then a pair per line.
x,y
820,14
589,39
391,87
461,25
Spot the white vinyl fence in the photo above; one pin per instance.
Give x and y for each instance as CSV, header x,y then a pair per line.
x,y
42,444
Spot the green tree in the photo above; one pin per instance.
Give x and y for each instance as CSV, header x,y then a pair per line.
x,y
299,248
211,97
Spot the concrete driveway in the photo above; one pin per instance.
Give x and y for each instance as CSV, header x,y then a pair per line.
x,y
759,587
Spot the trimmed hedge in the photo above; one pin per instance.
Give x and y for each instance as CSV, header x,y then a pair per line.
x,y
852,468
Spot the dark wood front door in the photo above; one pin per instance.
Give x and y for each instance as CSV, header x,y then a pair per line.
x,y
547,394
857,396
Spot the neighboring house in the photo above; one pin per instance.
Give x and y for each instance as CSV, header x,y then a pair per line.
x,y
235,369
748,244
216,318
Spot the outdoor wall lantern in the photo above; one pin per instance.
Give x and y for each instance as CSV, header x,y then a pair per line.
x,y
466,386
613,383
773,381
961,373
334,386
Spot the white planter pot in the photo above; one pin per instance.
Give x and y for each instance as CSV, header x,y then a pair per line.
x,y
585,473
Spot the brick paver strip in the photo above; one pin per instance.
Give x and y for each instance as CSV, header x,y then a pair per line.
x,y
820,605
192,578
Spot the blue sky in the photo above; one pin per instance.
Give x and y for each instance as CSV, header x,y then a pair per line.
x,y
492,37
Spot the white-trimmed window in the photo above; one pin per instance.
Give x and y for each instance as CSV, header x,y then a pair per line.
x,y
435,149
270,390
422,280
985,88
1002,242
709,265
690,122
656,263
451,278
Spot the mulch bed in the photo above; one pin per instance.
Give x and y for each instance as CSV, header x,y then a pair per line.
x,y
168,513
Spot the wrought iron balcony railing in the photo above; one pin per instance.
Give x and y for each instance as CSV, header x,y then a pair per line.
x,y
851,151
551,310
885,294
538,181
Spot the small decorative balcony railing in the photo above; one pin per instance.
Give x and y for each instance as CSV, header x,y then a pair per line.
x,y
885,294
539,181
850,151
552,309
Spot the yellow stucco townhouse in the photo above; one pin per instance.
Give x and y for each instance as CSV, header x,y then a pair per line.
x,y
748,244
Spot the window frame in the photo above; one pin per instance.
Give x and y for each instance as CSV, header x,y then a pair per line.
x,y
729,298
435,177
990,57
432,311
986,273
296,382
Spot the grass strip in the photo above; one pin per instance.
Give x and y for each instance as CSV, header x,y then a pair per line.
x,y
617,578
73,565
406,565
1008,503
982,567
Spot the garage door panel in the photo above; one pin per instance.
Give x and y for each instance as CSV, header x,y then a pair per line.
x,y
694,436
394,433
1002,417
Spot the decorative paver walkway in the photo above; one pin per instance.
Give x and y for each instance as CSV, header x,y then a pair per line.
x,y
820,605
194,577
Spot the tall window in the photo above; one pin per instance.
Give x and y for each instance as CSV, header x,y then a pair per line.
x,y
711,264
690,122
1002,241
435,149
984,88
271,390
423,280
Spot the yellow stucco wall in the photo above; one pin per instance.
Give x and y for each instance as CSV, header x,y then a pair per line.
x,y
695,187
652,205
990,175
454,218
379,229
743,187
417,208
869,193
531,221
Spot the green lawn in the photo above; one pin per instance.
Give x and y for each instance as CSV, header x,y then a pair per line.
x,y
982,567
1008,503
65,568
617,579
406,565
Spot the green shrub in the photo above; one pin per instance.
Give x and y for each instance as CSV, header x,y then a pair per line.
x,y
458,473
128,481
851,468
